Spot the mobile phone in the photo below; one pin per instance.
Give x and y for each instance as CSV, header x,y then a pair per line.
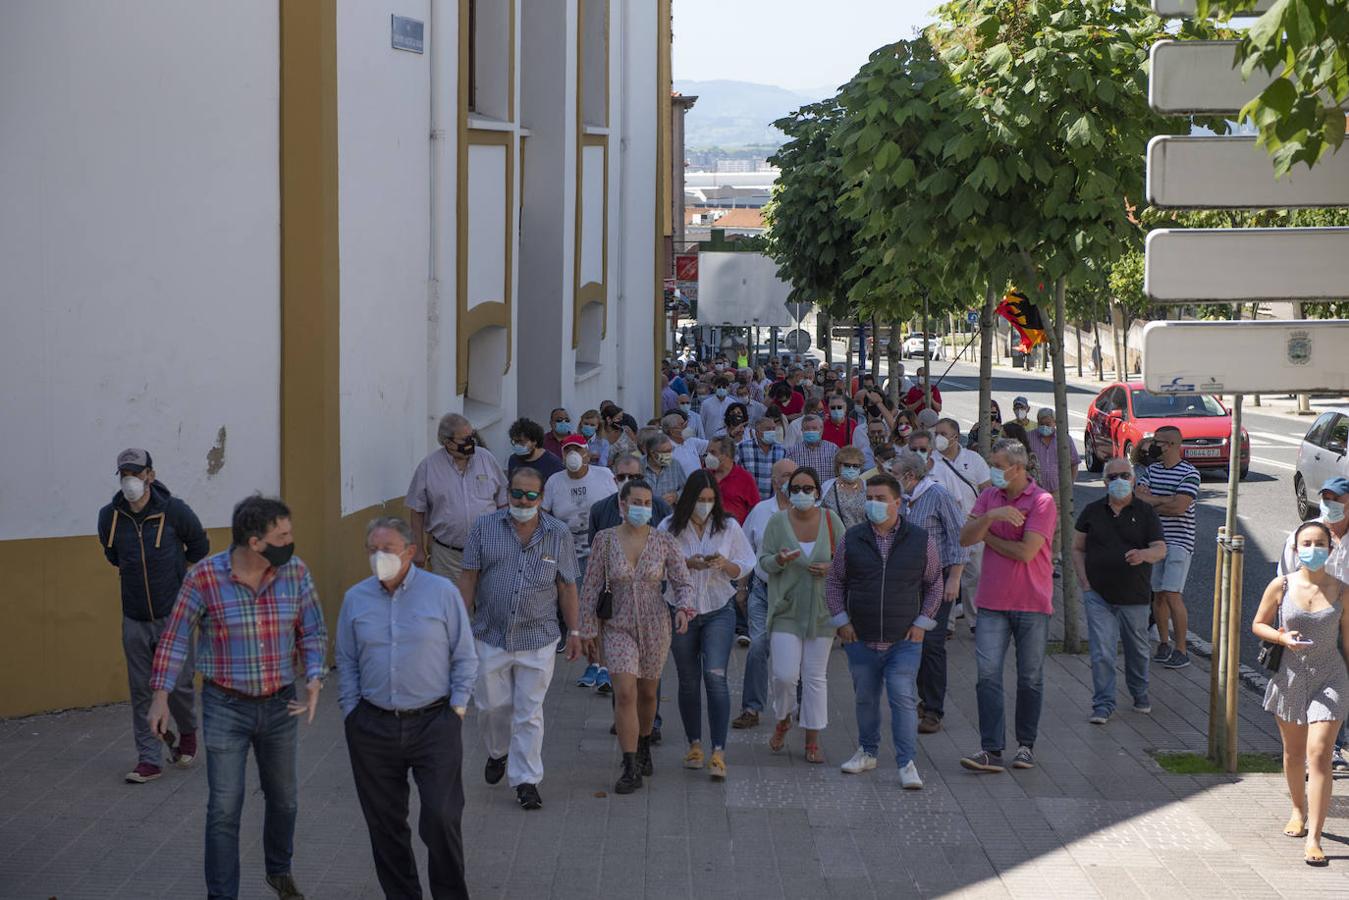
x,y
1306,642
793,554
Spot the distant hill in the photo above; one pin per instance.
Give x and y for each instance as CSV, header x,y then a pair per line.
x,y
739,113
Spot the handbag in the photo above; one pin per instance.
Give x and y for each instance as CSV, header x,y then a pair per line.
x,y
1270,656
604,608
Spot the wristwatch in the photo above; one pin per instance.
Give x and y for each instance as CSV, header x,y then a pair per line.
x,y
573,633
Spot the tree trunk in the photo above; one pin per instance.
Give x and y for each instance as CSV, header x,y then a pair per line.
x,y
1304,401
1096,336
847,342
1078,328
1121,341
823,327
1255,315
987,318
875,349
892,363
1068,577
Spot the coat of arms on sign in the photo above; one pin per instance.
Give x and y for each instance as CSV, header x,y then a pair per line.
x,y
1299,347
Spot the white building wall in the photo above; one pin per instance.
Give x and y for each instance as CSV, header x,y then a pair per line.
x,y
139,254
384,158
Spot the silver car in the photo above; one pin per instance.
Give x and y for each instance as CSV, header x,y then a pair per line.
x,y
1321,456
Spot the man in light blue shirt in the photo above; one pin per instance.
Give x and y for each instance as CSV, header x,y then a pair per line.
x,y
406,666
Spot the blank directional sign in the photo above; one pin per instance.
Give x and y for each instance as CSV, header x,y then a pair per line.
x,y
1228,265
1245,356
1196,77
1233,173
1175,9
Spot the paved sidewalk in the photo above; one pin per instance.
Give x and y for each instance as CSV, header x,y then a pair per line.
x,y
1097,818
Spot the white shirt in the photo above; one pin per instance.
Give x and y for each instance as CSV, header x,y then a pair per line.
x,y
696,423
689,454
967,463
713,589
755,523
570,499
713,411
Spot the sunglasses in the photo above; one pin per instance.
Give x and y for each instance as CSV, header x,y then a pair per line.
x,y
1116,476
619,479
801,489
522,494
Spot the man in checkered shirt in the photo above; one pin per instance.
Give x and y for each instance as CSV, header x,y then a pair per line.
x,y
519,571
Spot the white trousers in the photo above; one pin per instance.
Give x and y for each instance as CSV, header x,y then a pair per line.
x,y
805,660
509,697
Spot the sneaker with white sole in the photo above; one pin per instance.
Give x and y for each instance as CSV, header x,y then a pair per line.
x,y
1024,758
861,761
909,779
587,679
1163,653
1143,707
958,611
603,684
1178,660
146,772
1099,717
983,761
742,640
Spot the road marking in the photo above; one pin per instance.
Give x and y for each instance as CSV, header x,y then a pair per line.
x,y
1273,462
1282,439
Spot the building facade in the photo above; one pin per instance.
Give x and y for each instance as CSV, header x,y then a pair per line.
x,y
273,241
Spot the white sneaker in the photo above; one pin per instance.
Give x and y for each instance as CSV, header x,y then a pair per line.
x,y
909,778
861,761
958,611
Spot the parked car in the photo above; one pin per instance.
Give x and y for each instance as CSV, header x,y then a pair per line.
x,y
913,346
1125,413
1321,456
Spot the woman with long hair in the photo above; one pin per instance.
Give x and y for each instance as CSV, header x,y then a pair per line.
x,y
716,553
1303,613
796,551
628,563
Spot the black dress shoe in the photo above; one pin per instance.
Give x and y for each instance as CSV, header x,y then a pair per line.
x,y
495,769
528,796
284,886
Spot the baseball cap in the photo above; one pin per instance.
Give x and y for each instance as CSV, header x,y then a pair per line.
x,y
1022,402
1339,486
574,440
927,418
138,460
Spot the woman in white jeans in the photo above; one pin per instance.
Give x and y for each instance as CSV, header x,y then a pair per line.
x,y
797,548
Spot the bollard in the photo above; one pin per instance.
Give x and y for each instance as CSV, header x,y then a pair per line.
x,y
1214,698
1236,560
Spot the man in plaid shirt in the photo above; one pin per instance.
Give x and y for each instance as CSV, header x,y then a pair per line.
x,y
757,453
256,607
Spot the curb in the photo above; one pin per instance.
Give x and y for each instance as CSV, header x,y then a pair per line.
x,y
1253,679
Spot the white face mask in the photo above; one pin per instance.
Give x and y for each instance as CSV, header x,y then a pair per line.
x,y
941,443
132,488
574,462
386,566
701,511
523,513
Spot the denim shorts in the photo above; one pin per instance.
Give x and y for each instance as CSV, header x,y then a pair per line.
x,y
1170,573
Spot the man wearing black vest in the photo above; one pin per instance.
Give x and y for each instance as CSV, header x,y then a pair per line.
x,y
883,591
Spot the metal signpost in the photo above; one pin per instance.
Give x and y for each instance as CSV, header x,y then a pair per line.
x,y
1184,266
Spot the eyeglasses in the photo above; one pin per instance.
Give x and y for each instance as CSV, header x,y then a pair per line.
x,y
522,494
619,479
1116,476
801,489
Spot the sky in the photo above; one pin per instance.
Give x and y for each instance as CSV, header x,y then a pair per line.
x,y
796,44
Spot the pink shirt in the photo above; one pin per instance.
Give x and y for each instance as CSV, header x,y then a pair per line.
x,y
1008,584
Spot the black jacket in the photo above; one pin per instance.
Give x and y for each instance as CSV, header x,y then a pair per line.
x,y
884,597
151,550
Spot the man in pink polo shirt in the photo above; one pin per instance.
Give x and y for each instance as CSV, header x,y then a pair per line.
x,y
1015,519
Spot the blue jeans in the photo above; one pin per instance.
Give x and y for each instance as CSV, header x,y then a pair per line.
x,y
232,725
997,629
701,654
1107,625
897,670
756,661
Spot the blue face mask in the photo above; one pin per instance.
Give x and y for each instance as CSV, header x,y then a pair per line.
x,y
850,473
877,511
1046,430
1119,488
563,427
1313,558
721,393
801,500
520,449
1332,510
770,437
588,431
810,437
639,515
837,414
998,477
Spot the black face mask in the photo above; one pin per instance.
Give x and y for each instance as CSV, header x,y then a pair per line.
x,y
1154,454
278,556
466,447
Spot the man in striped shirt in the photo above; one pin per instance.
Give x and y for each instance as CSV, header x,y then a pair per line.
x,y
759,452
1171,486
930,507
813,450
256,606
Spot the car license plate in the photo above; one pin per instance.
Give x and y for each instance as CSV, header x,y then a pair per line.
x,y
1203,452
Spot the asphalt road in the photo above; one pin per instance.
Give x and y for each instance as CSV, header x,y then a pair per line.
x,y
1266,510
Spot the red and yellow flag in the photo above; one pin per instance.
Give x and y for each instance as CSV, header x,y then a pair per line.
x,y
1025,318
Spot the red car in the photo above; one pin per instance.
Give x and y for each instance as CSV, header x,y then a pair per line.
x,y
1125,413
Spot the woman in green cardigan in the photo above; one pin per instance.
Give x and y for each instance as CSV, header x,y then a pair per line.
x,y
797,548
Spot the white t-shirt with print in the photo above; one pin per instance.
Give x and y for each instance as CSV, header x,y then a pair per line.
x,y
570,499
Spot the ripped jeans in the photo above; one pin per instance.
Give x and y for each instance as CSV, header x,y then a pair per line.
x,y
701,655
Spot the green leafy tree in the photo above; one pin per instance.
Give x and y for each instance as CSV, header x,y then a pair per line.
x,y
1307,43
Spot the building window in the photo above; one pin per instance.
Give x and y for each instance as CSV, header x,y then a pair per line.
x,y
491,58
594,62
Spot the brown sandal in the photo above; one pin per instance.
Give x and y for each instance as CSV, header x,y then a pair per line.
x,y
779,738
813,754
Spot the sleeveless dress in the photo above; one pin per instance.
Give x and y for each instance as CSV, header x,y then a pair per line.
x,y
1312,684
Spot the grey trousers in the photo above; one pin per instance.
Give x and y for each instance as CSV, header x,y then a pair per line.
x,y
139,640
446,561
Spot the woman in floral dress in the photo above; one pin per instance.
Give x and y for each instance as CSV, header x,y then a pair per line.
x,y
630,561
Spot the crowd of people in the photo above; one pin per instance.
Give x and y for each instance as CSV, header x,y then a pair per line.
x,y
782,507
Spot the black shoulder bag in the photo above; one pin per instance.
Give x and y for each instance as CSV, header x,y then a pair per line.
x,y
1270,656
